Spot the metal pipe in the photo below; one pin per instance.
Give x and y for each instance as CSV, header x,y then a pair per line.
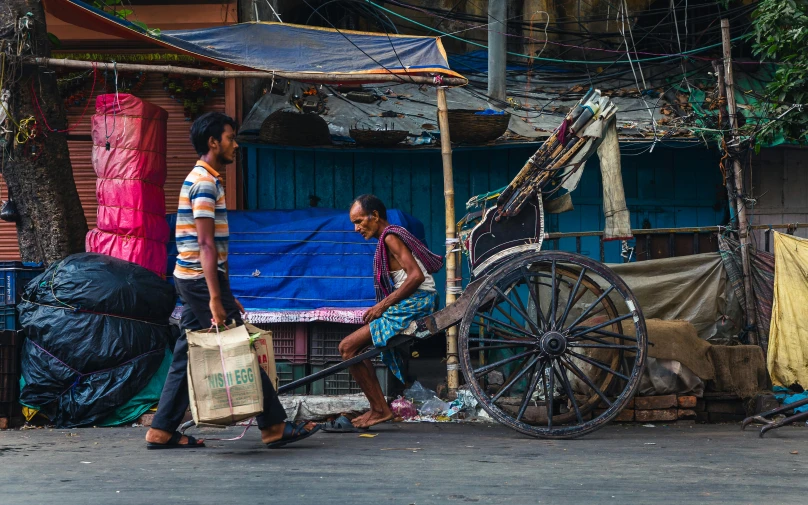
x,y
452,362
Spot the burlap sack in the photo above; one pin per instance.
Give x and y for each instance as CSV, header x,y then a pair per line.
x,y
739,369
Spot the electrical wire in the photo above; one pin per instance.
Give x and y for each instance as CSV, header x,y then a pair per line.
x,y
354,44
554,60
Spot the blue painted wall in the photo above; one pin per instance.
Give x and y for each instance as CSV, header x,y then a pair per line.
x,y
675,186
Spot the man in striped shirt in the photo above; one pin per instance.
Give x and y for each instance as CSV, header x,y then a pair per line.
x,y
201,279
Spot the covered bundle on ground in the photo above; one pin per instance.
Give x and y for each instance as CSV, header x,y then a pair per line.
x,y
97,332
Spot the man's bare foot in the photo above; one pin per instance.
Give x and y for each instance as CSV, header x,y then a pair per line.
x,y
275,432
373,418
155,436
360,418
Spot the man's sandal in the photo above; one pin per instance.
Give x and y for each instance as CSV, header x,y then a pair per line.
x,y
174,443
293,433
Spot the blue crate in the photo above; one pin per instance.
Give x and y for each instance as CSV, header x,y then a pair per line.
x,y
14,275
8,318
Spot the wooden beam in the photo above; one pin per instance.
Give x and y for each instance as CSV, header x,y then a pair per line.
x,y
231,109
227,74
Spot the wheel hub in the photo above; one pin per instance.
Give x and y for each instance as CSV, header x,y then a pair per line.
x,y
553,343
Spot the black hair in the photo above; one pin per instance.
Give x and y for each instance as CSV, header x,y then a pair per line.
x,y
369,203
210,124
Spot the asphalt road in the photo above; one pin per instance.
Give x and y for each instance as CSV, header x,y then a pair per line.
x,y
411,464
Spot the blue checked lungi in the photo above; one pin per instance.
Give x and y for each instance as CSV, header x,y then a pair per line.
x,y
395,320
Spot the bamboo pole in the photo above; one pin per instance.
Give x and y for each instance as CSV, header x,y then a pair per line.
x,y
656,231
452,363
226,74
740,205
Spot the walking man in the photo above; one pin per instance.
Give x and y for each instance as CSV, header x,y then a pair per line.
x,y
202,282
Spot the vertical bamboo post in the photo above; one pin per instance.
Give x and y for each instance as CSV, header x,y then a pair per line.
x,y
740,205
452,363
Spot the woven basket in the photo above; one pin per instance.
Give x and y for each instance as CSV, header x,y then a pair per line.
x,y
380,138
294,129
468,127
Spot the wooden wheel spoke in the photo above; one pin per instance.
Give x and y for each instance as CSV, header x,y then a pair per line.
x,y
596,302
516,329
526,277
521,372
604,346
521,312
590,338
550,399
581,375
571,300
479,372
529,391
553,298
598,364
536,327
514,342
570,394
602,325
495,347
605,333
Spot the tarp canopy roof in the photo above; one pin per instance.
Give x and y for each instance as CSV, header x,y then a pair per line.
x,y
324,54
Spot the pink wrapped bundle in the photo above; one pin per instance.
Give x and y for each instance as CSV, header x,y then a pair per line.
x,y
136,132
130,194
130,222
146,253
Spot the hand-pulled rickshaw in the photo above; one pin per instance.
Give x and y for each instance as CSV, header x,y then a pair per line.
x,y
550,343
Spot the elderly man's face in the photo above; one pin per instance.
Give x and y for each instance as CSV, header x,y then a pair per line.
x,y
365,224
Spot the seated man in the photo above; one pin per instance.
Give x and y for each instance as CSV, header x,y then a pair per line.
x,y
405,292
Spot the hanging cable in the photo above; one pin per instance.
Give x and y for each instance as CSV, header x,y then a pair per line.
x,y
86,106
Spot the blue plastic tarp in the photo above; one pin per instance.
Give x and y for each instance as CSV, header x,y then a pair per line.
x,y
301,259
279,47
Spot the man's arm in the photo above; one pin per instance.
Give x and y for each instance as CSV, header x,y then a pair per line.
x,y
209,258
415,277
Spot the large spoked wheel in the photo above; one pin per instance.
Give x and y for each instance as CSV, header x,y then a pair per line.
x,y
553,344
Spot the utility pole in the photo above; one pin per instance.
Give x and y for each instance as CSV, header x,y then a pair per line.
x,y
497,12
737,173
729,177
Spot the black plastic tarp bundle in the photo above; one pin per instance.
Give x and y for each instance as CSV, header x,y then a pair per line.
x,y
97,331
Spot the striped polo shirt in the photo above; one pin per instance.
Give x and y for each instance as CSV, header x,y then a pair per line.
x,y
202,196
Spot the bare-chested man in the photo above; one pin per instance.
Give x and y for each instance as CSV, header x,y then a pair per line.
x,y
405,292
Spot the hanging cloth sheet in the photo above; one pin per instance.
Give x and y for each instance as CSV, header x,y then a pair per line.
x,y
280,47
617,219
788,336
300,265
762,270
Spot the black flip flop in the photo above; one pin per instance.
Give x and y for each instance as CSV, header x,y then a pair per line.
x,y
339,425
293,433
174,443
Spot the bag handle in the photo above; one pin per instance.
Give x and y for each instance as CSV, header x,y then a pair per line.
x,y
224,368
